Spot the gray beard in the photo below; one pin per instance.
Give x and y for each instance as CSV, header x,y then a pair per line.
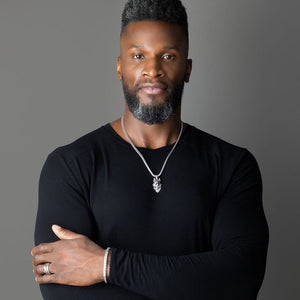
x,y
153,114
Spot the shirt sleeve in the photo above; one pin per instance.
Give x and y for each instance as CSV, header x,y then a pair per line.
x,y
235,267
64,200
61,201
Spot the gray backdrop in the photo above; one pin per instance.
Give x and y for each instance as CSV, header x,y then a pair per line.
x,y
58,82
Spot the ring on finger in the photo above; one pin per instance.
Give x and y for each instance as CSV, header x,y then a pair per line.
x,y
46,269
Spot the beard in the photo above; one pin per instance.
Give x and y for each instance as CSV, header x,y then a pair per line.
x,y
153,114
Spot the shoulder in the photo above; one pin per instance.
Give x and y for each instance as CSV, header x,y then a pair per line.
x,y
213,144
84,146
235,167
225,155
76,159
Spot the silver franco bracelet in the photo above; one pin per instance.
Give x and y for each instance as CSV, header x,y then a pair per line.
x,y
105,264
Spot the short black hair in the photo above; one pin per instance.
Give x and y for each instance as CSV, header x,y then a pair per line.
x,y
171,11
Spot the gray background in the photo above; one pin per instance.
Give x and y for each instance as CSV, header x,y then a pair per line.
x,y
58,82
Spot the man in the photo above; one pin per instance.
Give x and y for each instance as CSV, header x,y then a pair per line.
x,y
150,207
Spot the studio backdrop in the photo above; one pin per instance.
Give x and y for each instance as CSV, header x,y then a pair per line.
x,y
58,82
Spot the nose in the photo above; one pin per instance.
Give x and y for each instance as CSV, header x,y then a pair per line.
x,y
152,68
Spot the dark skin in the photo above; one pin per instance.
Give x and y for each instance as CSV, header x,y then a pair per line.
x,y
154,52
74,260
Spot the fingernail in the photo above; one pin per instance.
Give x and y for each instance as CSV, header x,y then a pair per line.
x,y
55,227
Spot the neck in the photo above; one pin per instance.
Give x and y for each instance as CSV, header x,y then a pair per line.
x,y
149,136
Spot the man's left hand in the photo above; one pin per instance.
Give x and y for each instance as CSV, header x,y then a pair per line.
x,y
74,260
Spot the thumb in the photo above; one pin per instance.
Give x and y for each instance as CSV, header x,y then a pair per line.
x,y
65,234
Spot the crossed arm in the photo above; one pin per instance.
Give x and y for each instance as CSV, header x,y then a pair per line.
x,y
234,269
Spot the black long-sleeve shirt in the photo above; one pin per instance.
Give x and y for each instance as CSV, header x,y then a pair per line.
x,y
203,236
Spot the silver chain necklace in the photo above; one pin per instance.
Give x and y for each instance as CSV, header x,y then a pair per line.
x,y
156,178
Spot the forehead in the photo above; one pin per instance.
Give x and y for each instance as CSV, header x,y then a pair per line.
x,y
153,34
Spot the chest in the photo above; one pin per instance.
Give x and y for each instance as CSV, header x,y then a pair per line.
x,y
125,204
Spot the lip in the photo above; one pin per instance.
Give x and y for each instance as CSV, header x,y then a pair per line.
x,y
153,88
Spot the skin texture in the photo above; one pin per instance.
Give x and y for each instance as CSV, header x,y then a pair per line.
x,y
152,52
153,58
74,260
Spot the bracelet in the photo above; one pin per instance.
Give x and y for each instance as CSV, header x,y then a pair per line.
x,y
105,264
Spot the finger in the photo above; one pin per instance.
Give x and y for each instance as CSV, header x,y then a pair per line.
x,y
65,234
41,259
42,279
43,248
40,270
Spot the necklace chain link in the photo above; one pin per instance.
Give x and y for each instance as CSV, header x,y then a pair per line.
x,y
156,178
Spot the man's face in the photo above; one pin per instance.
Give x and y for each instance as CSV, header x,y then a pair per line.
x,y
153,67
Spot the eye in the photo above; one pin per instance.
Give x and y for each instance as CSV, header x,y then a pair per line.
x,y
168,57
138,56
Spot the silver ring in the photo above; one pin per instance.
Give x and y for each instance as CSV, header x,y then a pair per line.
x,y
46,269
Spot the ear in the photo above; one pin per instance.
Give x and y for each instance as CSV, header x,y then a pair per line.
x,y
119,68
188,70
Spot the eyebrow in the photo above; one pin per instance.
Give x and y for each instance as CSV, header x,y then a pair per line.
x,y
165,47
171,48
136,46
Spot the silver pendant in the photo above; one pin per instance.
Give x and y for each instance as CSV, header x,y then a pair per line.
x,y
156,184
